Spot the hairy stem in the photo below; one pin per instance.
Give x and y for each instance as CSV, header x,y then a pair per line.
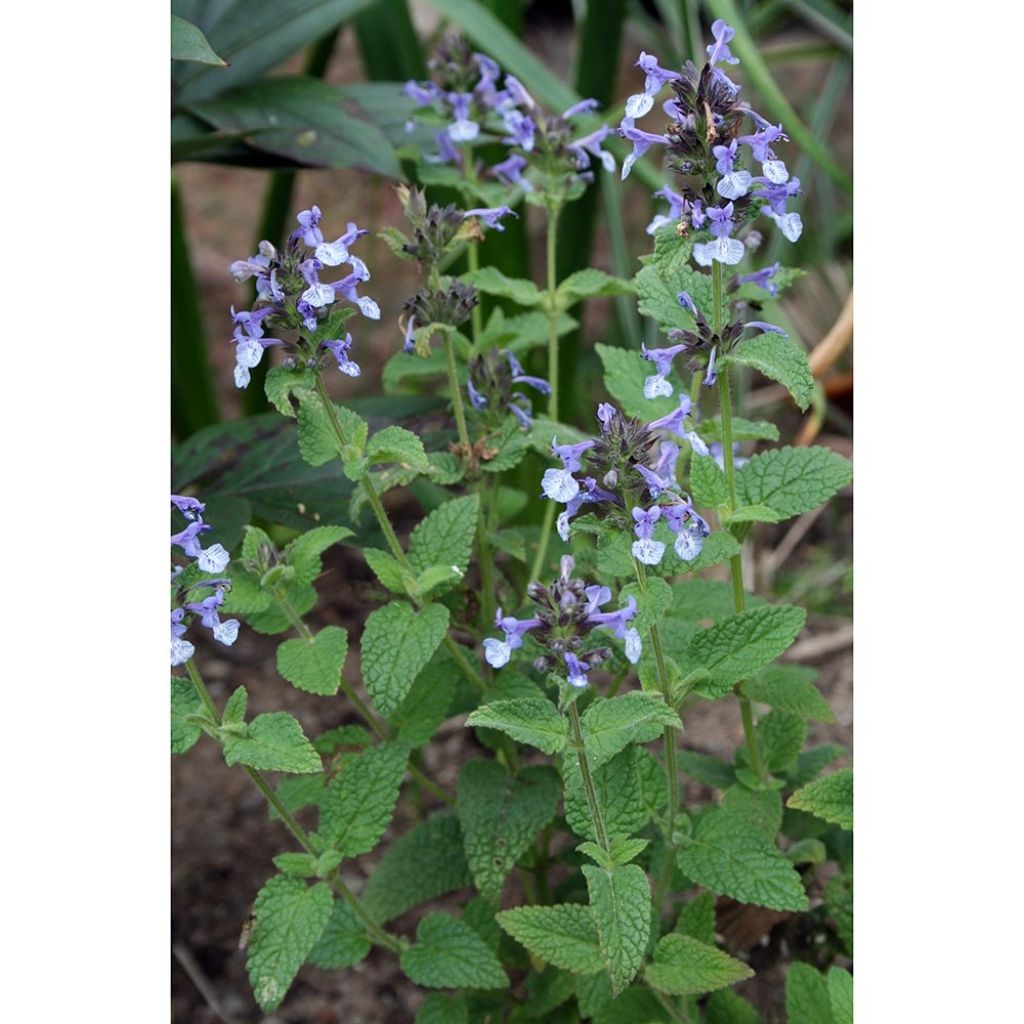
x,y
736,562
456,392
472,250
374,930
552,241
588,782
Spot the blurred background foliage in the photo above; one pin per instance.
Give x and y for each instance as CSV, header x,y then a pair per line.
x,y
276,106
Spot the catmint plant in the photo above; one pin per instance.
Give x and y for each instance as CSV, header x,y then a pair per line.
x,y
580,877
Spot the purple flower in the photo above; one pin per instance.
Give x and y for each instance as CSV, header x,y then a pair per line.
x,y
462,129
254,266
675,422
657,482
733,183
346,287
187,539
605,414
309,230
589,492
409,344
596,597
762,278
332,254
640,104
559,485
340,349
764,328
645,520
677,206
491,216
718,454
662,358
690,529
223,632
790,224
590,145
181,650
519,126
760,142
577,674
617,622
642,141
422,93
511,172
498,652
518,94
570,453
711,376
719,50
190,508
477,400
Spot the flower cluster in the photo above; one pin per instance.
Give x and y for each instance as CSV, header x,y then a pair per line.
x,y
565,614
465,96
291,298
704,340
630,479
213,559
490,383
705,144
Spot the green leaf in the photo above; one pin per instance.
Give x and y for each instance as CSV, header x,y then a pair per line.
x,y
624,373
188,43
793,480
492,281
298,791
333,740
426,705
296,865
360,800
731,857
707,481
637,1005
684,966
563,935
343,942
184,702
728,1008
289,918
750,514
619,795
314,666
318,443
781,737
742,430
303,553
273,742
593,993
445,537
620,901
423,864
651,602
397,643
531,720
789,688
778,358
234,710
709,770
611,725
807,996
303,120
807,851
589,284
396,444
697,918
739,645
500,816
840,995
829,798
449,954
762,808
386,568
839,904
439,1008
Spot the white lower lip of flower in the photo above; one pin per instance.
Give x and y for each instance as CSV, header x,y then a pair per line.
x,y
560,485
648,550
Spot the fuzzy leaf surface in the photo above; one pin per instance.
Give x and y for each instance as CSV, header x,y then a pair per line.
x,y
449,954
739,645
360,800
620,901
792,480
624,373
492,281
789,688
807,996
730,856
840,995
727,1007
289,918
273,742
780,359
397,643
532,720
563,935
445,537
685,966
314,666
396,444
184,702
500,816
611,725
619,795
343,941
829,798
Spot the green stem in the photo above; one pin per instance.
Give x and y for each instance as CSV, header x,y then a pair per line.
x,y
456,392
472,248
588,782
739,597
552,241
680,1016
671,764
374,930
487,595
542,547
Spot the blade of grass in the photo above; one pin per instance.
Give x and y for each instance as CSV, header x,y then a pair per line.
x,y
827,18
775,102
600,37
193,402
274,215
388,44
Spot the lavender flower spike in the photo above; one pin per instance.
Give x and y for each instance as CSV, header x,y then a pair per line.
x,y
657,76
498,652
722,247
733,183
